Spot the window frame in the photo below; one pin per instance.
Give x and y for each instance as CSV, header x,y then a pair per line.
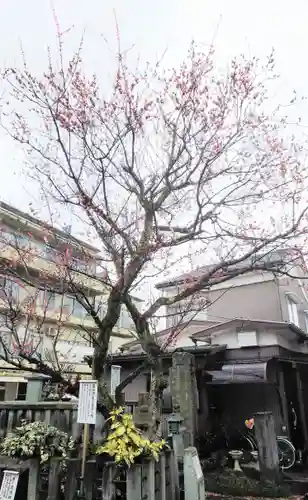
x,y
306,320
292,306
78,307
50,304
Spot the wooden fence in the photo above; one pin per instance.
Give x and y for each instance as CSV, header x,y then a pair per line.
x,y
60,414
147,480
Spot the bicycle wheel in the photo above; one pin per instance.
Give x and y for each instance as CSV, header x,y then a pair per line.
x,y
243,442
286,452
252,445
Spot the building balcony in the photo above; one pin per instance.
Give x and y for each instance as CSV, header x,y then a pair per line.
x,y
60,318
78,272
65,317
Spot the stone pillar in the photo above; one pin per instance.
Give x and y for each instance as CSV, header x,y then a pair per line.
x,y
267,446
183,391
143,415
134,482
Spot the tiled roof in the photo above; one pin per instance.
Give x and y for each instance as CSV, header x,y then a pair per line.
x,y
278,256
140,354
162,336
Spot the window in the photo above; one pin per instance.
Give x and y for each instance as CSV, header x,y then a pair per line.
x,y
292,311
41,298
72,307
74,263
50,301
306,320
14,290
100,308
5,342
22,241
51,253
174,315
28,342
7,238
36,343
22,391
2,391
9,289
79,265
91,267
78,309
46,300
67,304
125,319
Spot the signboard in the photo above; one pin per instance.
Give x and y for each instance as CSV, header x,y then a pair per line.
x,y
87,402
9,485
115,378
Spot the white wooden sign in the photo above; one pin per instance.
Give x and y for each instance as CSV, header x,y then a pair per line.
x,y
9,485
115,378
193,476
197,467
87,402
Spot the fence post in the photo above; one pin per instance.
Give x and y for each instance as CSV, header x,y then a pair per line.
x,y
73,468
148,479
174,477
163,477
133,483
54,478
267,445
33,482
193,475
169,476
108,487
89,478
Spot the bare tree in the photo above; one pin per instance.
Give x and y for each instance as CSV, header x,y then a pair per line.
x,y
167,165
35,317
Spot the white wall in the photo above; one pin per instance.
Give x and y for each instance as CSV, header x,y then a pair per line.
x,y
286,339
132,390
117,342
245,279
182,338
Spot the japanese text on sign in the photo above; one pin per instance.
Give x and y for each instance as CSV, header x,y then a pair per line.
x,y
9,485
87,402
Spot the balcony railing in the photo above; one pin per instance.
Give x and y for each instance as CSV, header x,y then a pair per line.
x,y
46,252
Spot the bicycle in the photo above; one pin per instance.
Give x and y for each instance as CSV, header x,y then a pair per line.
x,y
286,450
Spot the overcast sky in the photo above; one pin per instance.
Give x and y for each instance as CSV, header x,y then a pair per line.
x,y
151,27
